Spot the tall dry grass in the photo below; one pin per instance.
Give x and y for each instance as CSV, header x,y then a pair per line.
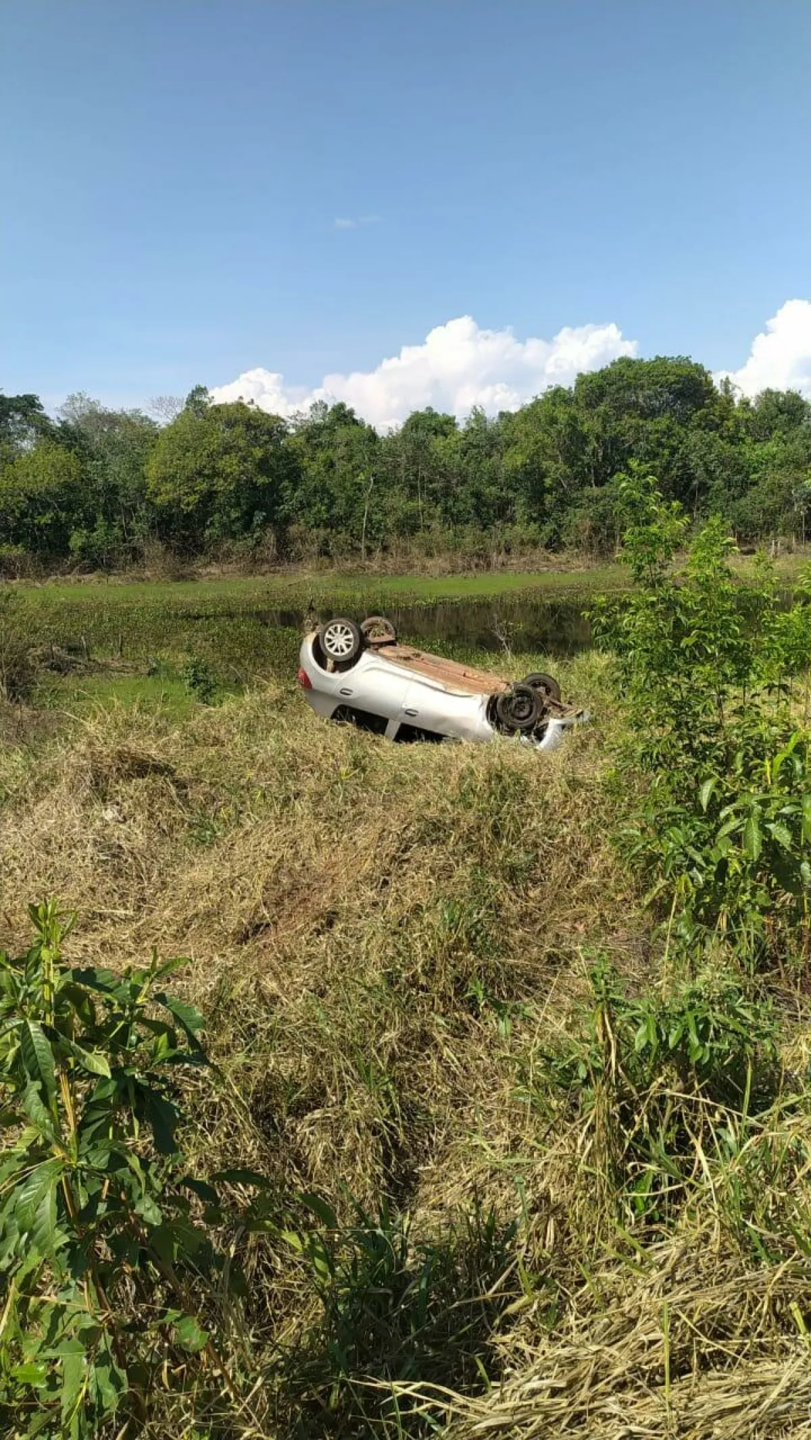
x,y
385,940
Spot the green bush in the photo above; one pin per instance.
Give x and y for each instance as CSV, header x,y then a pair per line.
x,y
200,679
716,758
106,1242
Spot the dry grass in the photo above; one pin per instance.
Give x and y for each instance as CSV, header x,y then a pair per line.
x,y
378,935
694,1346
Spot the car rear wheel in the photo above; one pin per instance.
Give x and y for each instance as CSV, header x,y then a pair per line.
x,y
519,709
547,685
341,641
378,630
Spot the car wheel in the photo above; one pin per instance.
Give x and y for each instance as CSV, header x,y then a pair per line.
x,y
519,709
341,641
379,630
546,684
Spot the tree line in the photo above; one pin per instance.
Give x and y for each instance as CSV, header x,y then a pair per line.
x,y
101,488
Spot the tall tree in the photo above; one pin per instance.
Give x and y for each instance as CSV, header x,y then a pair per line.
x,y
219,472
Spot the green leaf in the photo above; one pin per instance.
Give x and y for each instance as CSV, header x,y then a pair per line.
x,y
243,1177
40,1118
201,1189
752,838
43,1230
781,834
31,1374
145,1207
706,791
806,824
73,1375
190,1334
91,1060
187,1016
80,1000
110,1383
30,1191
168,967
320,1208
161,1115
37,1057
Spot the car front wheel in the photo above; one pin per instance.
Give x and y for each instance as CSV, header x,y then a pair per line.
x,y
341,641
546,685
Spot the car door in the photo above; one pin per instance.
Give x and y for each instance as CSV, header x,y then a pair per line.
x,y
439,711
426,707
376,687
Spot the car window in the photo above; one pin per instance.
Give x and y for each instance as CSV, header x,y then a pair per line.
x,y
363,719
409,733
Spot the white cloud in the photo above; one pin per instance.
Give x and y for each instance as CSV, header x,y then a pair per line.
x,y
780,357
344,223
457,366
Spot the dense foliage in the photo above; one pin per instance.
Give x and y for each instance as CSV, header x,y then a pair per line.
x,y
99,487
103,1258
718,735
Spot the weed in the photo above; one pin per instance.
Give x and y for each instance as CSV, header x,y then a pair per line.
x,y
395,1310
200,680
17,668
654,1077
100,1244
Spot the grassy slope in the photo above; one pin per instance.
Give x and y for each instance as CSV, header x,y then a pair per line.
x,y
385,940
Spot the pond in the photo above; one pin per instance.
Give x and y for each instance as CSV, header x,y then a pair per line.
x,y
552,627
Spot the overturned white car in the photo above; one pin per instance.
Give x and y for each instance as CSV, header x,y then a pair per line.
x,y
362,675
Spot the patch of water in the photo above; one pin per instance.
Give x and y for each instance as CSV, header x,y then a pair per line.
x,y
553,627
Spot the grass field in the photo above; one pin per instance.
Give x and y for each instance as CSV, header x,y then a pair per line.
x,y
298,587
390,946
296,590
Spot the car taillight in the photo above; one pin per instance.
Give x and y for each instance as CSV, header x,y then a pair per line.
x,y
304,679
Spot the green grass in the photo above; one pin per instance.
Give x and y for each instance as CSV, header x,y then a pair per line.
x,y
297,588
80,695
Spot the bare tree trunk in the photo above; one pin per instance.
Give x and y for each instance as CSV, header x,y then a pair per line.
x,y
365,518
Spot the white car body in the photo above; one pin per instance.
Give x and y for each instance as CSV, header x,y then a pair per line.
x,y
406,694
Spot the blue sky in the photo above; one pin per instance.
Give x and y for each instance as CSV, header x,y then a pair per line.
x,y
172,171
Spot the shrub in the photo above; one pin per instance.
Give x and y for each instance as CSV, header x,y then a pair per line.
x,y
716,759
105,1241
199,679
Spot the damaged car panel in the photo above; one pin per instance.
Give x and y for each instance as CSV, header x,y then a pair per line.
x,y
362,674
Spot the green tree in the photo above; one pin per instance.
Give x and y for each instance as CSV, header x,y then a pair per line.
x,y
41,499
22,422
220,472
337,488
115,446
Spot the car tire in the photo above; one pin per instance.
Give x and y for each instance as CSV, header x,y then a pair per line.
x,y
378,630
519,709
341,641
547,684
